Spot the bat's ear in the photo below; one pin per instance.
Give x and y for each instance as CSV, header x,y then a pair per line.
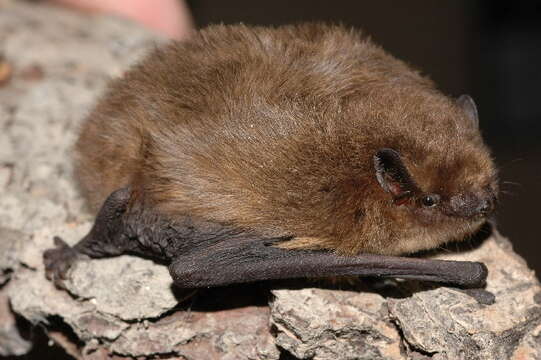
x,y
466,103
393,176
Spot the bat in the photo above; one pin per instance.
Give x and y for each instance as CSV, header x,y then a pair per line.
x,y
258,153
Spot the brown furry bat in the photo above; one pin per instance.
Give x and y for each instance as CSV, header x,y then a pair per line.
x,y
259,153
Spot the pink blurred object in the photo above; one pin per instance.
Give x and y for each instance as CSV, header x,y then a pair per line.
x,y
168,17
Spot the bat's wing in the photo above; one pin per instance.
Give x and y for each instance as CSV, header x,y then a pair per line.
x,y
253,259
202,253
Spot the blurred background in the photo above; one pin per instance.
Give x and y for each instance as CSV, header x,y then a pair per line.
x,y
488,49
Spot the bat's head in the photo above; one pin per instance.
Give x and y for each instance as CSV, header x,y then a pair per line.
x,y
436,196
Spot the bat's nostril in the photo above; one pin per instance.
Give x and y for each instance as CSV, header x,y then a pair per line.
x,y
485,207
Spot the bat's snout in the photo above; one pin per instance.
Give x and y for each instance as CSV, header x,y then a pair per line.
x,y
473,205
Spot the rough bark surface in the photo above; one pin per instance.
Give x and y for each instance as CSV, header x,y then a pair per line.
x,y
395,320
54,64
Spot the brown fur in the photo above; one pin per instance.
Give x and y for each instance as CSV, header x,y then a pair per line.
x,y
275,129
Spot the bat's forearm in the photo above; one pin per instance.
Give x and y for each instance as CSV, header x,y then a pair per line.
x,y
260,262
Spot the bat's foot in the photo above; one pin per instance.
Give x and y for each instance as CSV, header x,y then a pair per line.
x,y
58,261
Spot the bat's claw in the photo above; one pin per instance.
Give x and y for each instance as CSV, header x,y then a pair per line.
x,y
58,261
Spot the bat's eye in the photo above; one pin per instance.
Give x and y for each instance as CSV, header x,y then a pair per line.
x,y
430,200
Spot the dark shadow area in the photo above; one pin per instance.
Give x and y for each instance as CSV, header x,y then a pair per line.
x,y
42,346
228,297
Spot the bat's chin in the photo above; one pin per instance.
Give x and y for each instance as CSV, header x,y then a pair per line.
x,y
434,235
472,225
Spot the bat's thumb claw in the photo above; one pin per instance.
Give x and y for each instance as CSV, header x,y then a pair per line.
x,y
58,261
58,242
